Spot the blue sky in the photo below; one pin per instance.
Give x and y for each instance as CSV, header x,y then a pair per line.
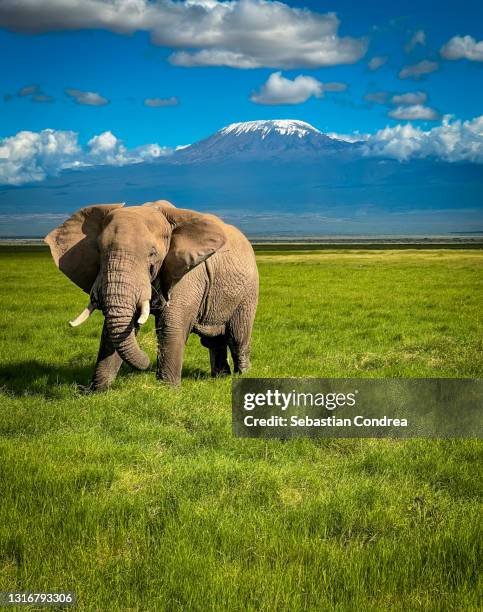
x,y
126,69
124,82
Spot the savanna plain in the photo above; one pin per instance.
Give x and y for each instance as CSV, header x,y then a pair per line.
x,y
140,498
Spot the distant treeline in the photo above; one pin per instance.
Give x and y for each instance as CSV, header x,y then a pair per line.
x,y
299,246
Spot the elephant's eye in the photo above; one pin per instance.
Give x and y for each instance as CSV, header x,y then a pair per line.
x,y
153,252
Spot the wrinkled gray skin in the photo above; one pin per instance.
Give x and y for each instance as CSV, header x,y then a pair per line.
x,y
198,273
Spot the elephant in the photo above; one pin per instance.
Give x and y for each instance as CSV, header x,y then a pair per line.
x,y
193,272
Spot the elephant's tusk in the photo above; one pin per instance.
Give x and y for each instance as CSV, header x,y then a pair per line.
x,y
84,315
144,312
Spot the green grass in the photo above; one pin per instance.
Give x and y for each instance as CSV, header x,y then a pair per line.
x,y
141,499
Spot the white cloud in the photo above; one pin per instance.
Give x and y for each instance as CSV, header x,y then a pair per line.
x,y
217,57
28,90
414,112
416,71
378,97
108,149
87,97
355,137
412,97
418,38
34,93
41,97
236,33
279,90
32,156
377,61
460,47
156,102
334,86
450,141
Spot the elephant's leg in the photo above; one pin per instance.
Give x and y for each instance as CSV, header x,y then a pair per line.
x,y
219,361
171,343
239,332
218,346
107,365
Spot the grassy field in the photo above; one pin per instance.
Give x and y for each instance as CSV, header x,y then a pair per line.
x,y
141,499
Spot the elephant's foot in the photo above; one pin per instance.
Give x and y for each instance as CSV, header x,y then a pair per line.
x,y
239,333
84,389
168,372
169,363
95,386
241,363
224,371
91,388
103,377
172,381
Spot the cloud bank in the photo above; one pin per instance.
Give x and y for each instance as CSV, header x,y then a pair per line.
x,y
463,47
452,141
33,156
236,33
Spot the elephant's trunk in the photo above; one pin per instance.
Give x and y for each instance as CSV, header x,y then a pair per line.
x,y
121,295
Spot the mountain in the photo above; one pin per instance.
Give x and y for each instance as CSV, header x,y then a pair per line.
x,y
268,139
270,177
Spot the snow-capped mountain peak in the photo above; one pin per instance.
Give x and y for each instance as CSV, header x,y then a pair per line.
x,y
273,139
284,127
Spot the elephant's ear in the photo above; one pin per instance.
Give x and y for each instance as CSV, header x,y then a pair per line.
x,y
194,238
74,244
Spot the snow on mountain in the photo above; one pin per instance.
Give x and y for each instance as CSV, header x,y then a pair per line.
x,y
267,139
285,127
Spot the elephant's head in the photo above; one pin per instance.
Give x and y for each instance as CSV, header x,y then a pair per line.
x,y
114,254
